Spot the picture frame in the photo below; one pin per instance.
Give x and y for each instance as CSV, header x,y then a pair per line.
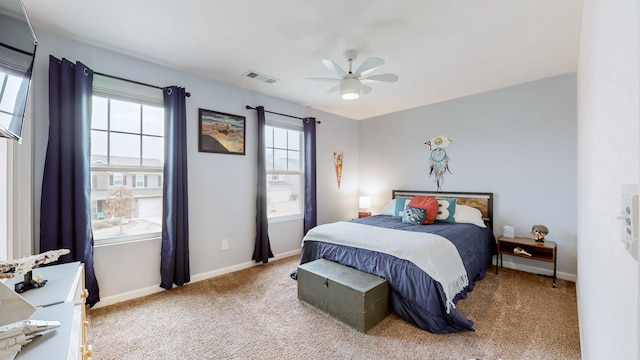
x,y
221,133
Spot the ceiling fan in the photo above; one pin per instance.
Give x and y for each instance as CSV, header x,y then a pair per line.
x,y
350,84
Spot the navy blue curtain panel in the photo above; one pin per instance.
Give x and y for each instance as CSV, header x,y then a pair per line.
x,y
65,215
174,258
310,205
262,251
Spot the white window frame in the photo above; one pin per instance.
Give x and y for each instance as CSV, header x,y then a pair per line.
x,y
138,181
118,180
295,125
116,89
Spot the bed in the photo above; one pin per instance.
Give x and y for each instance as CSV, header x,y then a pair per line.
x,y
416,294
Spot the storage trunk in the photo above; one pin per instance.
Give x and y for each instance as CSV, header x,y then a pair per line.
x,y
357,298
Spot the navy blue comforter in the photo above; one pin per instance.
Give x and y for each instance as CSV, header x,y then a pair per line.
x,y
414,295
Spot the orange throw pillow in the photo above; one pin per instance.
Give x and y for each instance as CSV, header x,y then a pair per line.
x,y
430,204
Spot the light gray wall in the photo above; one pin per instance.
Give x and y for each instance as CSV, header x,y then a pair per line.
x,y
517,142
608,157
337,135
221,187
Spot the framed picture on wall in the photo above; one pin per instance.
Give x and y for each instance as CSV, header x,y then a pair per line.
x,y
221,133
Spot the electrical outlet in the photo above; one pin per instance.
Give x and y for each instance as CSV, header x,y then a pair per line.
x,y
225,244
629,219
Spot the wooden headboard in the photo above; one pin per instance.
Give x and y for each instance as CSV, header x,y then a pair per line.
x,y
479,200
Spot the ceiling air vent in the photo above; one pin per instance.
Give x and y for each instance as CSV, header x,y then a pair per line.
x,y
262,77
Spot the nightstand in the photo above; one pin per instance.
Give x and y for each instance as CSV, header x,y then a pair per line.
x,y
528,248
362,214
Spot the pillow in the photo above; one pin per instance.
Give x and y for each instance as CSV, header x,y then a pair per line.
x,y
401,203
389,208
446,210
413,215
429,204
469,215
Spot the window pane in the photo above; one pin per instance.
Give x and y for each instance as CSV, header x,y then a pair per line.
x,y
152,151
283,195
152,120
280,159
294,162
5,119
269,158
125,149
10,93
98,148
268,136
280,138
125,116
294,140
99,113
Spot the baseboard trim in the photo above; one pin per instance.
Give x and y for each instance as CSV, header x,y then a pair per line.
x,y
538,270
114,299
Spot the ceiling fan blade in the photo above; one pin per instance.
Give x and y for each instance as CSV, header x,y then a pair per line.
x,y
333,67
324,79
382,77
334,89
366,89
368,66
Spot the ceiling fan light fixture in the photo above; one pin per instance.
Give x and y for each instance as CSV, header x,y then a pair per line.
x,y
350,88
349,83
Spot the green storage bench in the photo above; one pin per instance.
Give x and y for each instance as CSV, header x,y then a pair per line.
x,y
356,298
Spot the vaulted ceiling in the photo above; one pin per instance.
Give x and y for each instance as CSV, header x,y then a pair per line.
x,y
439,49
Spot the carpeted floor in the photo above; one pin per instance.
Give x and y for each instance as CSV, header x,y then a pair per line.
x,y
255,314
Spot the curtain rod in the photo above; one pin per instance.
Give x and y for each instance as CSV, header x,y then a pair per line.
x,y
134,82
273,112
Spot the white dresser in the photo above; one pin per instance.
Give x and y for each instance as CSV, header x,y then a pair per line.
x,y
61,299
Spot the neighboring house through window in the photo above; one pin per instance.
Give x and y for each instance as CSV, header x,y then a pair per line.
x,y
285,172
127,148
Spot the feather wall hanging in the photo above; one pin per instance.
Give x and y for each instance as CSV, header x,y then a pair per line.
x,y
337,162
438,158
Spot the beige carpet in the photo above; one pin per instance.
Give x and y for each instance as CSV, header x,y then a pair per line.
x,y
255,314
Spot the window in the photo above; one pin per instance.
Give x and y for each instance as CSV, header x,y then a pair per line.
x,y
117,180
9,95
14,85
127,146
285,172
141,181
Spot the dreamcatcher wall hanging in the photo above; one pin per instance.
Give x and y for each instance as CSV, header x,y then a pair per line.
x,y
438,158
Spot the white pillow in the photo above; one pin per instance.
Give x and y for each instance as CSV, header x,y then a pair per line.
x,y
470,215
390,208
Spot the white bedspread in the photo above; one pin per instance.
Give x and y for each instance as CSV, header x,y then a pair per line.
x,y
432,253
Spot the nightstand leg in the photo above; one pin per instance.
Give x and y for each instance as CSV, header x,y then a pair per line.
x,y
554,271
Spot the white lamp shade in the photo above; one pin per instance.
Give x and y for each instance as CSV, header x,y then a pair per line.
x,y
364,202
350,88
